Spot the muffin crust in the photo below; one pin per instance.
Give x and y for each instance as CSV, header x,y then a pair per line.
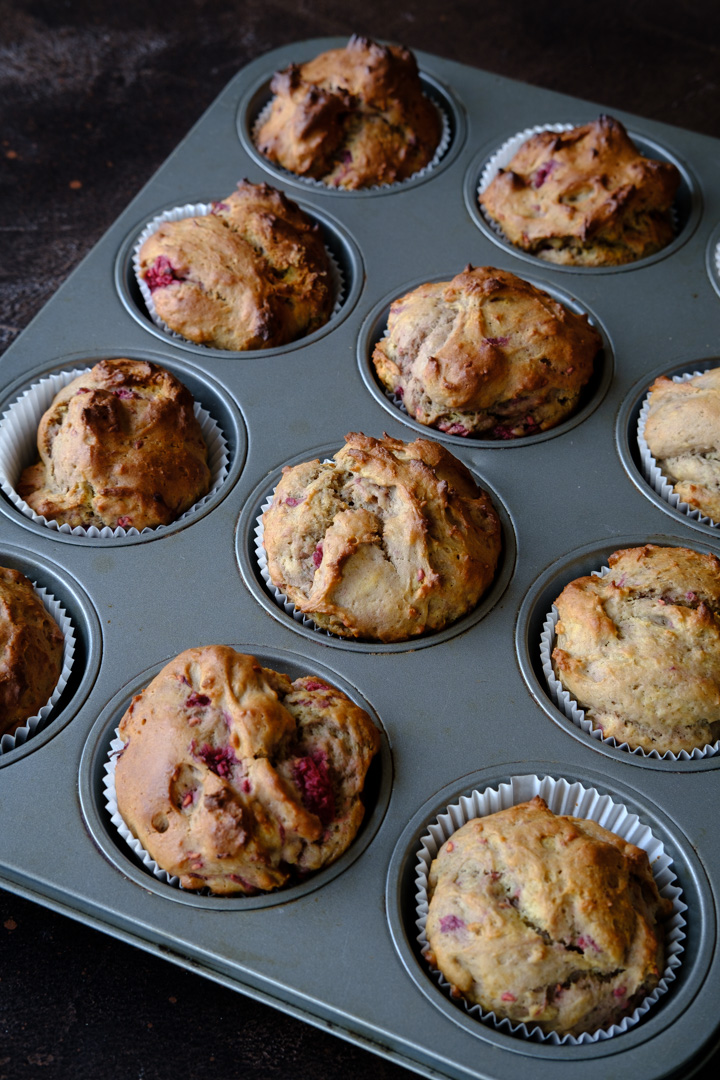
x,y
546,920
584,197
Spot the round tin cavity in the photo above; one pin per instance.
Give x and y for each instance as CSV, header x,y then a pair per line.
x,y
583,794
341,246
83,648
636,457
687,207
248,540
374,328
533,617
22,408
94,783
260,95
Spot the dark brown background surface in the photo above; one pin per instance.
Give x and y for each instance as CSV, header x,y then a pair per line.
x,y
93,97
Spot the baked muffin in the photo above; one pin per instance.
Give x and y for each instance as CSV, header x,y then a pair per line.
x,y
682,432
237,779
351,118
640,648
31,651
584,197
386,541
119,446
252,274
486,354
546,920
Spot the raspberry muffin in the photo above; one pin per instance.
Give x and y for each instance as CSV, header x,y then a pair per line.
x,y
486,354
252,274
639,648
387,541
546,920
584,197
237,779
31,651
682,431
120,446
351,118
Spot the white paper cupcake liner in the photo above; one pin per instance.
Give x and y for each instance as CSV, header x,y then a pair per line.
x,y
569,706
280,598
337,280
437,157
502,158
652,473
18,450
576,800
35,724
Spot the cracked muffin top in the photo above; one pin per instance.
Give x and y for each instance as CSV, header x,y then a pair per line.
x,y
252,274
486,354
386,541
546,920
119,446
236,778
640,648
31,651
682,431
351,118
584,197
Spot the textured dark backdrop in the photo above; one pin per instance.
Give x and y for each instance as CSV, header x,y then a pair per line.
x,y
93,97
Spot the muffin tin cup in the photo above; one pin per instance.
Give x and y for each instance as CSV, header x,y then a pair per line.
x,y
178,213
97,790
18,449
565,701
568,798
35,724
654,475
686,209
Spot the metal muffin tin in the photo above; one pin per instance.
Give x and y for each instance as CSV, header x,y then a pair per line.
x,y
469,708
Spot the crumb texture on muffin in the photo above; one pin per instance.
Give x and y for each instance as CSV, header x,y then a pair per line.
x,y
385,542
119,446
486,354
351,118
31,651
682,432
237,779
640,648
585,197
252,274
544,919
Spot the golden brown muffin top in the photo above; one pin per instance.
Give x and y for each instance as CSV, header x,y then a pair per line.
x,y
640,647
585,196
352,117
486,353
235,778
386,541
252,274
31,651
119,446
545,919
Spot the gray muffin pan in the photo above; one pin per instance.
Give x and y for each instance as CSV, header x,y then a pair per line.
x,y
460,710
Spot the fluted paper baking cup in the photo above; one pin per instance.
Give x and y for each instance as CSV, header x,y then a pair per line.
x,y
34,724
567,798
569,706
337,280
437,157
18,450
654,475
